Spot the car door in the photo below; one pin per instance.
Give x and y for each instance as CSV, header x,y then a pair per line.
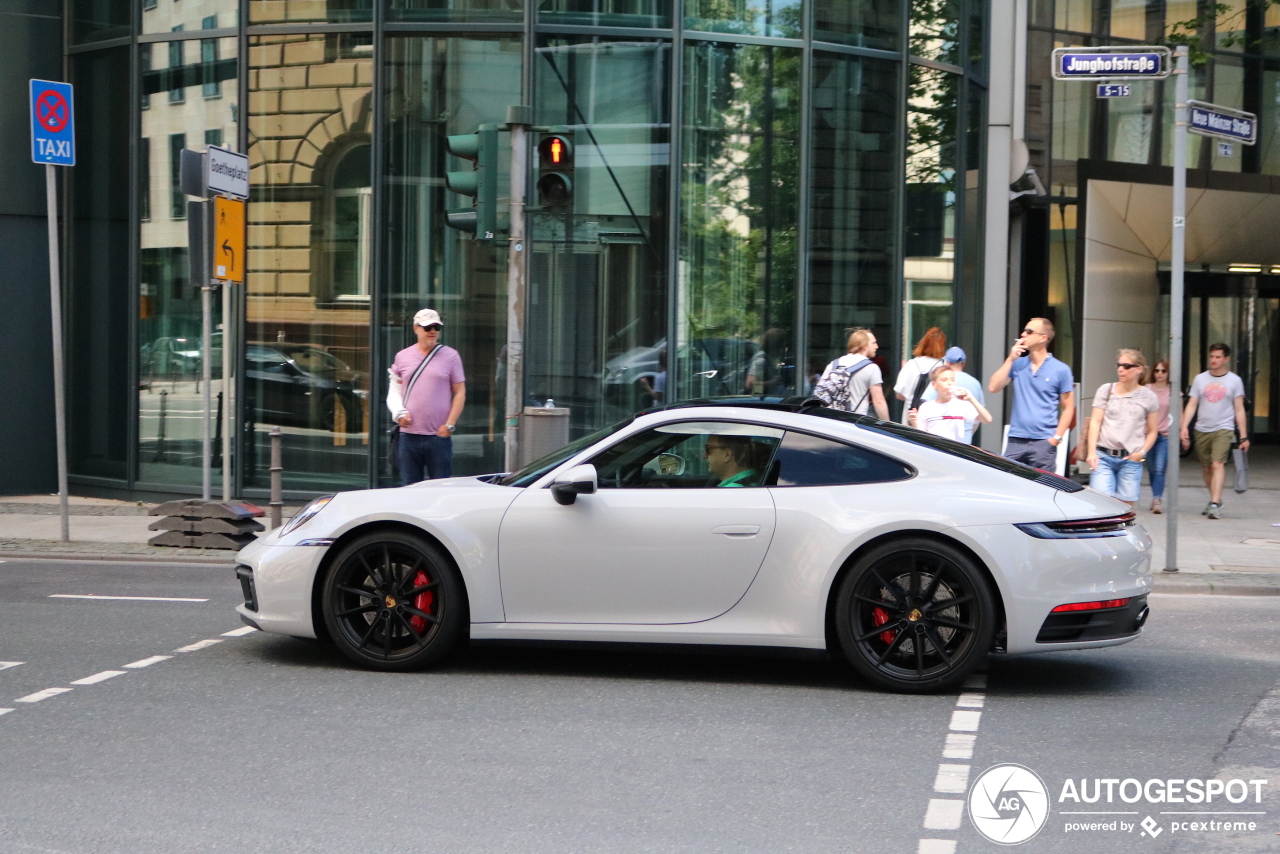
x,y
659,542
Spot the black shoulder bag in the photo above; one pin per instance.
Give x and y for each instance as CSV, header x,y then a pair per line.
x,y
393,435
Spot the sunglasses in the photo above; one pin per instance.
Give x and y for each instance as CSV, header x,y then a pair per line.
x,y
1127,366
435,327
1162,370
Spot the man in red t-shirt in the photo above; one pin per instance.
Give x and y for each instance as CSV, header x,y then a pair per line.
x,y
429,416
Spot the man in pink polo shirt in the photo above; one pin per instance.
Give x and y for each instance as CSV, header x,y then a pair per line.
x,y
429,416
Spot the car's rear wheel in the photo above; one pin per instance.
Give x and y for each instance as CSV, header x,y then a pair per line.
x,y
392,601
915,615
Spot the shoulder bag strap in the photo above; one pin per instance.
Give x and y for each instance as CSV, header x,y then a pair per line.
x,y
418,372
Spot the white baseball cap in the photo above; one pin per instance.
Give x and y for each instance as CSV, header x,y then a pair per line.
x,y
426,317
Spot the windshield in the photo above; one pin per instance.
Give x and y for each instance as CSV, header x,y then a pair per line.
x,y
538,468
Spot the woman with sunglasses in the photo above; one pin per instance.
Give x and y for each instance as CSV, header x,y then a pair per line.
x,y
1158,458
1122,429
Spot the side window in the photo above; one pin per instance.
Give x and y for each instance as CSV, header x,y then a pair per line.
x,y
690,455
804,460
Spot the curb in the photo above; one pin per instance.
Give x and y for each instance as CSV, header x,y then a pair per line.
x,y
1199,585
116,557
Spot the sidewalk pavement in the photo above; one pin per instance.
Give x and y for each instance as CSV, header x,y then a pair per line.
x,y
1238,554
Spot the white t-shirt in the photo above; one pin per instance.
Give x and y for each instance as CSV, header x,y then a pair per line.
x,y
1216,401
860,383
909,377
949,420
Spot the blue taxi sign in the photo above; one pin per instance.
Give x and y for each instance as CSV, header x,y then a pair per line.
x,y
53,138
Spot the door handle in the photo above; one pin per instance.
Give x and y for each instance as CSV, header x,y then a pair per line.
x,y
736,530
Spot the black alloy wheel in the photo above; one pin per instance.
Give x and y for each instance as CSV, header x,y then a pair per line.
x,y
915,615
391,601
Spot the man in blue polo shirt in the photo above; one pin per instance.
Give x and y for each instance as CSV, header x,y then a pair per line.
x,y
1043,396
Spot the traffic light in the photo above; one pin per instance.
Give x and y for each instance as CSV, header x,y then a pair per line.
x,y
555,169
481,183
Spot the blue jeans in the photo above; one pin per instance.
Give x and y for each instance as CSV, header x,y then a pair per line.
x,y
1157,462
1037,453
434,454
1118,477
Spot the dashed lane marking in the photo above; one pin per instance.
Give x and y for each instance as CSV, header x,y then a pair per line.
x,y
943,814
147,662
98,677
958,746
42,695
204,644
971,701
965,721
239,633
5,665
936,846
5,711
952,779
123,598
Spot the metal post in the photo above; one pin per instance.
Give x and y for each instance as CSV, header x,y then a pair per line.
x,y
1178,252
226,393
206,375
518,120
277,467
59,388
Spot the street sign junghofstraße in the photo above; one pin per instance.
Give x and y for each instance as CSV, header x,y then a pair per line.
x,y
1222,122
1138,62
53,134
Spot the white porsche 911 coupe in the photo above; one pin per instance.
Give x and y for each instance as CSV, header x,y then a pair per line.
x,y
748,523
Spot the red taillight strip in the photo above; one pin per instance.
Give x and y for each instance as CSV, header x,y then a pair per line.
x,y
1118,521
1091,606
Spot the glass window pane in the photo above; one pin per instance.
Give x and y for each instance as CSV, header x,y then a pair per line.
x,y
169,359
606,13
310,122
699,455
1269,124
740,170
779,18
298,11
162,16
935,30
1129,19
98,303
853,218
805,460
868,23
597,315
1074,15
473,11
437,87
97,20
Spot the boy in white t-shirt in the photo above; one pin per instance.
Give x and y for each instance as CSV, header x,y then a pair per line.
x,y
952,412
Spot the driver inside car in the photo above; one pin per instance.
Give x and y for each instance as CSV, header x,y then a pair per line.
x,y
729,459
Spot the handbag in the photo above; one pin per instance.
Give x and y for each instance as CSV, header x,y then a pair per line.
x,y
1241,461
393,434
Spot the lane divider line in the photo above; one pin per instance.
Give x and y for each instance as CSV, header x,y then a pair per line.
x,y
5,711
959,746
965,721
99,677
204,644
936,846
943,814
952,779
5,665
42,695
971,701
123,598
239,633
147,662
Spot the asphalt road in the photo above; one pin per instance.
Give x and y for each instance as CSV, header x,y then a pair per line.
x,y
268,744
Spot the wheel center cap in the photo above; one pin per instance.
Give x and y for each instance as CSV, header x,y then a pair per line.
x,y
915,615
391,602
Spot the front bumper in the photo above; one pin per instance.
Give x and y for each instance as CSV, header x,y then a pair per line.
x,y
277,583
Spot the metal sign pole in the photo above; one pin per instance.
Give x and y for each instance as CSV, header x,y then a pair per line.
x,y
1178,259
59,390
206,376
226,393
518,120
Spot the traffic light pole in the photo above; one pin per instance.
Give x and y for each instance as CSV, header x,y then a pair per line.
x,y
518,120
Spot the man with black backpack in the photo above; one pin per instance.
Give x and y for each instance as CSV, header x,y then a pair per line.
x,y
853,382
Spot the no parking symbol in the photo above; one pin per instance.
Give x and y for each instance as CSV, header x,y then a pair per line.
x,y
52,123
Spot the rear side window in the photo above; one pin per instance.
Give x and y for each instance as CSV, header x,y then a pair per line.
x,y
804,460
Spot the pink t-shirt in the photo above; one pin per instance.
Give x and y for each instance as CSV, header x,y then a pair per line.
x,y
428,402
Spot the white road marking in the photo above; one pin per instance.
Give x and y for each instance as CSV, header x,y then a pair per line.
x,y
42,695
5,665
5,711
98,677
147,662
964,721
959,746
943,814
123,598
971,701
952,779
239,633
937,846
204,644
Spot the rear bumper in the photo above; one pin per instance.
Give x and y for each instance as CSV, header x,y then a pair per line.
x,y
1102,625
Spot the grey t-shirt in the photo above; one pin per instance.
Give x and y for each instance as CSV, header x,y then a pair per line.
x,y
861,382
1124,418
1216,401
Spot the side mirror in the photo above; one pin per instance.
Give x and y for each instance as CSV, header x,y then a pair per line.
x,y
579,480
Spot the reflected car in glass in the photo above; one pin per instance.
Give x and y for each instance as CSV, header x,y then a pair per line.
x,y
731,522
302,385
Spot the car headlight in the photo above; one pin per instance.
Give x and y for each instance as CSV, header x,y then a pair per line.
x,y
306,514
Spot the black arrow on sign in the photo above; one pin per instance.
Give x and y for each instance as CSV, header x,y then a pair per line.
x,y
226,247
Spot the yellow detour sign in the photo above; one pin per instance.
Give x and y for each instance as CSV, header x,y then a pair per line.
x,y
228,239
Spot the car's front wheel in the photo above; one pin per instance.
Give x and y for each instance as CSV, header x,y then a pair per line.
x,y
392,601
915,615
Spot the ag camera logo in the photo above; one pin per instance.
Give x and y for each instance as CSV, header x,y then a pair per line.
x,y
1008,804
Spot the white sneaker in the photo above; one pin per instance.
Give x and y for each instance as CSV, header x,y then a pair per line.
x,y
1156,506
1212,510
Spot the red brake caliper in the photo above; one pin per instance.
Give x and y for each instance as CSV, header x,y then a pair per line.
x,y
424,600
880,616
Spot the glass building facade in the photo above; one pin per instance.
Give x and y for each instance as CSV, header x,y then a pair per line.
x,y
752,179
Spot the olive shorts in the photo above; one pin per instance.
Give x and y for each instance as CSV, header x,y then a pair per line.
x,y
1213,447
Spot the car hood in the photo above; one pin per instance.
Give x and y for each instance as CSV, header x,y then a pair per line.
x,y
1088,504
